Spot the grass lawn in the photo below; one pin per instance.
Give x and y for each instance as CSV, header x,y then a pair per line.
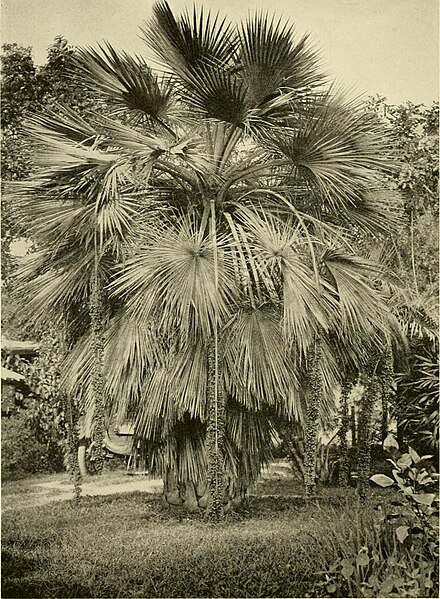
x,y
127,545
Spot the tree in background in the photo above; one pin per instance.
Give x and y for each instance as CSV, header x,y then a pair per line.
x,y
413,295
26,89
416,130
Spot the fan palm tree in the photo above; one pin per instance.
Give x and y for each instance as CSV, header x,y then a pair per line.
x,y
215,202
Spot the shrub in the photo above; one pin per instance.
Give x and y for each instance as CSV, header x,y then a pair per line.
x,y
22,453
394,552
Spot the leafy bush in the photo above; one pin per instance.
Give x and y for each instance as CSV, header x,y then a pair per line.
x,y
22,453
417,407
35,432
394,553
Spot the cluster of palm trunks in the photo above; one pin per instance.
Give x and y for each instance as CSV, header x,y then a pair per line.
x,y
204,238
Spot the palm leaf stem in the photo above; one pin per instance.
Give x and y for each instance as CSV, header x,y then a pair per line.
x,y
229,146
176,171
243,267
244,242
331,229
303,227
257,169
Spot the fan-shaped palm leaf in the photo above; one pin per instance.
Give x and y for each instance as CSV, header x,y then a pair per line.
x,y
335,153
256,362
127,83
183,44
271,62
172,279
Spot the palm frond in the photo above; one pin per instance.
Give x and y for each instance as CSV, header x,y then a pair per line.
x,y
127,83
216,92
171,277
71,167
331,377
189,379
256,367
361,307
270,61
284,258
379,213
56,225
66,285
183,44
336,151
249,443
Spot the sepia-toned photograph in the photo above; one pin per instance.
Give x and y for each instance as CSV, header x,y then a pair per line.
x,y
220,299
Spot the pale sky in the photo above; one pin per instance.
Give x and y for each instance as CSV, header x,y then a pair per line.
x,y
386,47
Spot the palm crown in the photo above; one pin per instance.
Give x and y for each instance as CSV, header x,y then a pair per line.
x,y
215,200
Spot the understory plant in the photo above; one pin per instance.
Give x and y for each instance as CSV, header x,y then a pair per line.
x,y
394,552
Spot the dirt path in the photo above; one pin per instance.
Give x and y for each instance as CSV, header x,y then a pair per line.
x,y
40,491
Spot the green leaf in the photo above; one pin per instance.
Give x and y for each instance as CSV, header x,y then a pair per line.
x,y
382,480
415,456
402,533
347,569
390,444
423,478
362,559
405,461
426,457
424,498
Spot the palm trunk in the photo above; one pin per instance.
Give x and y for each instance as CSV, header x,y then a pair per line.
x,y
313,404
413,260
344,463
97,329
364,435
384,423
353,428
386,379
72,445
216,404
215,435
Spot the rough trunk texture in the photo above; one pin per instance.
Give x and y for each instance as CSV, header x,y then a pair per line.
x,y
386,380
344,462
311,435
192,497
215,435
364,434
354,439
97,329
72,446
